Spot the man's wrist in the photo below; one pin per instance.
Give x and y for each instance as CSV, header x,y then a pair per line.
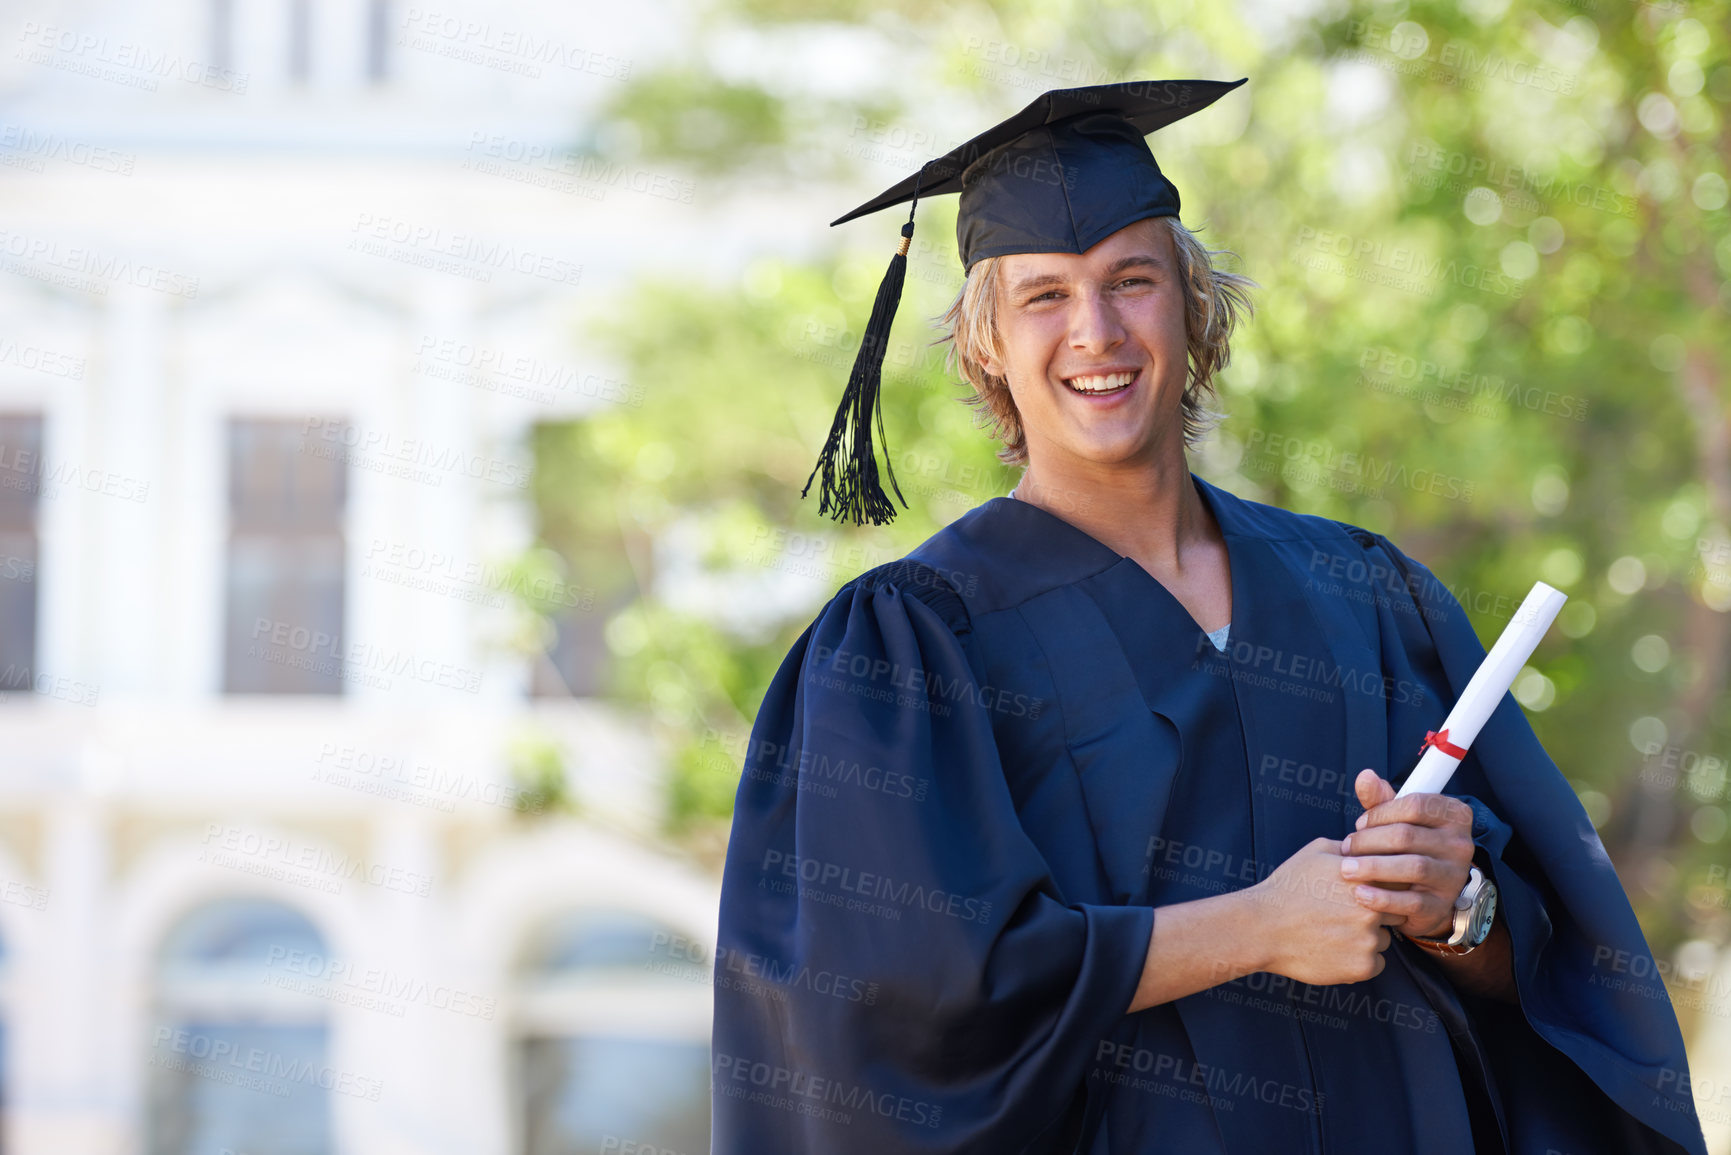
x,y
1472,917
1255,947
1443,931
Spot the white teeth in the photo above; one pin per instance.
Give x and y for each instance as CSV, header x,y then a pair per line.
x,y
1101,384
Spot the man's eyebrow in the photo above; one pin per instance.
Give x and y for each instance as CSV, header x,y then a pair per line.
x,y
1140,260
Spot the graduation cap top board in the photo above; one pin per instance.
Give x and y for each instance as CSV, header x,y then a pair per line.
x,y
1063,174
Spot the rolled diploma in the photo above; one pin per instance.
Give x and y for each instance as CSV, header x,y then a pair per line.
x,y
1488,685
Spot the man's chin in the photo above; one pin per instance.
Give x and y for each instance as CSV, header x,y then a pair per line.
x,y
1113,453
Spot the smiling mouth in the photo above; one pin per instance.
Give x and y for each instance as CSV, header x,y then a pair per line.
x,y
1100,384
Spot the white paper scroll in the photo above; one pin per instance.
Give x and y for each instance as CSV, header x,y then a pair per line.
x,y
1488,685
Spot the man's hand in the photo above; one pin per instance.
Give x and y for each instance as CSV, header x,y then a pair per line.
x,y
1410,856
1311,928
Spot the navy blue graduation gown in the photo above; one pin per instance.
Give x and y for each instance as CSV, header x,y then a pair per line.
x,y
981,768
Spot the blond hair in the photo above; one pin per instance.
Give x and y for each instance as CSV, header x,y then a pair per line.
x,y
1214,302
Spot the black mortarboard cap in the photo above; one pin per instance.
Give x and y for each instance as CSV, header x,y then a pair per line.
x,y
1063,174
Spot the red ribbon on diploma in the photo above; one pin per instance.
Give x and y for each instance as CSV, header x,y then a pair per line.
x,y
1440,739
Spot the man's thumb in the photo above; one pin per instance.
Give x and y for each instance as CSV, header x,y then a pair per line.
x,y
1371,790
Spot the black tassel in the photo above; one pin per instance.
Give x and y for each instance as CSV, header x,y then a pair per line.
x,y
852,489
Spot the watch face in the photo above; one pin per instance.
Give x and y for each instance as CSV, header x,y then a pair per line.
x,y
1481,927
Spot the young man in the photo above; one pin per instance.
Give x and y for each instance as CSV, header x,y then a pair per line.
x,y
1074,831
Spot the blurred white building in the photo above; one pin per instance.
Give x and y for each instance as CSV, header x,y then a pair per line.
x,y
284,284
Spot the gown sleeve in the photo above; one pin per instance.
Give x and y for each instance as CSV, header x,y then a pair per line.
x,y
895,968
1594,1061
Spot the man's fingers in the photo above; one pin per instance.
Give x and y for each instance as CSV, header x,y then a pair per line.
x,y
1418,869
1420,810
1404,838
1395,905
1372,791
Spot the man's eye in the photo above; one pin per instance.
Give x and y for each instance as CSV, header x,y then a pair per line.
x,y
1128,282
1043,296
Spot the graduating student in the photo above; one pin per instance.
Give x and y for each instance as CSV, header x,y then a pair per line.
x,y
1075,830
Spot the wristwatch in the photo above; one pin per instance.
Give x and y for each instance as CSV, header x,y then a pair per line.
x,y
1475,911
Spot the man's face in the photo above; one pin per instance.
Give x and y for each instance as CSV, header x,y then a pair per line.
x,y
1094,349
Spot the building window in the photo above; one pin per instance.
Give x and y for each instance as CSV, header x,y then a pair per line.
x,y
613,1042
21,472
284,619
300,40
378,39
236,1059
222,35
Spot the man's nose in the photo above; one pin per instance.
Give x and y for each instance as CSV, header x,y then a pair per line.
x,y
1094,324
